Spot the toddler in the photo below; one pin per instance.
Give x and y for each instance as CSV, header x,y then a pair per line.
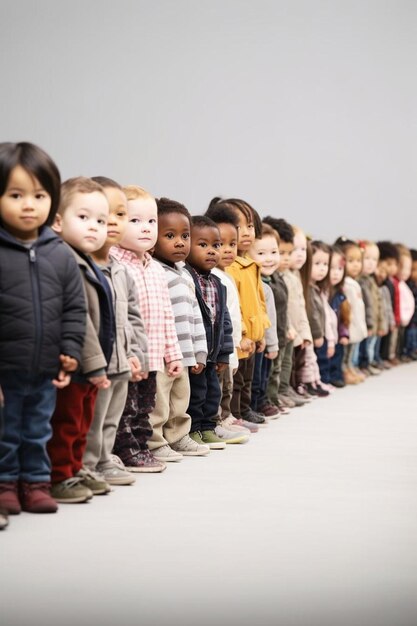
x,y
341,307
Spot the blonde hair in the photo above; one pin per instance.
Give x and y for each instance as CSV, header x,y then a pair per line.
x,y
78,184
133,192
403,250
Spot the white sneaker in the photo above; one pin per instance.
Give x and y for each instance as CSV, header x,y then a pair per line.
x,y
115,475
229,424
231,436
188,447
166,454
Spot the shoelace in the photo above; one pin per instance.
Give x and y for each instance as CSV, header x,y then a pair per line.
x,y
71,482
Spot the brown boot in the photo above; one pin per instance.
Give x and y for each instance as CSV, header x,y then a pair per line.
x,y
350,377
9,499
36,498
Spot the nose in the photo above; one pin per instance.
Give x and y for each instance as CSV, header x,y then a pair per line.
x,y
179,243
29,202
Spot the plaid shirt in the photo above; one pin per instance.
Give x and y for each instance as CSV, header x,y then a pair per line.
x,y
155,307
209,293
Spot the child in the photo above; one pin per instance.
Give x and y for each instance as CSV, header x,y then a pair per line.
x,y
406,299
265,251
170,439
373,307
411,330
388,252
230,428
341,307
357,327
140,237
247,276
211,295
323,322
388,320
42,323
81,221
129,355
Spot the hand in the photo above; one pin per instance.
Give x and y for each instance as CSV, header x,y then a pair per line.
x,y
197,369
319,342
260,345
68,363
305,343
271,355
344,341
330,352
220,367
247,345
175,369
62,380
101,382
291,334
135,368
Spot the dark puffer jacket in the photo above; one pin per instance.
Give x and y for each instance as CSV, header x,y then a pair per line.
x,y
42,305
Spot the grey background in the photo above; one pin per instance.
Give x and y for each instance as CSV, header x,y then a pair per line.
x,y
307,109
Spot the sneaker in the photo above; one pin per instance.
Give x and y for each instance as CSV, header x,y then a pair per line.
x,y
302,391
4,519
144,461
297,397
231,423
284,410
93,481
116,460
71,491
230,436
115,475
195,435
321,391
212,440
36,498
251,426
270,410
166,454
338,384
288,402
9,500
253,417
189,447
374,370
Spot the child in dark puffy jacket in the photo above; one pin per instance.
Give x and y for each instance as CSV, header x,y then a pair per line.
x,y
42,323
341,306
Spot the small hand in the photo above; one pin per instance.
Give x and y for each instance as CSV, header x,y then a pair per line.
x,y
271,355
68,363
135,368
62,380
175,369
220,367
197,369
101,382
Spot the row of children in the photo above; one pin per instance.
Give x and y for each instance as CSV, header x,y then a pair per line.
x,y
133,334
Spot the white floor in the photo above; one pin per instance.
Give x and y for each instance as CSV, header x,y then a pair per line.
x,y
313,522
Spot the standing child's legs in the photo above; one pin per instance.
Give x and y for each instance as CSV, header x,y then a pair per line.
x,y
336,373
323,362
286,368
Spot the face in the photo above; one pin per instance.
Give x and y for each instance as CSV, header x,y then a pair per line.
x,y
205,248
381,271
414,271
353,261
405,267
392,267
173,243
337,266
265,251
24,206
228,251
142,229
246,232
285,252
117,220
83,224
370,260
319,265
299,254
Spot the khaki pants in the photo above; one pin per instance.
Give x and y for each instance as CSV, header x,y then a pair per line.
x,y
169,420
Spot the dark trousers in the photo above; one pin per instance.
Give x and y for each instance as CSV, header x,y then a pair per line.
x,y
298,360
363,353
134,428
242,386
27,411
70,424
226,387
262,367
385,343
323,362
336,371
410,340
205,395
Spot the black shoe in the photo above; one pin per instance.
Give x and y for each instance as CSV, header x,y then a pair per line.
x,y
338,383
253,417
322,393
312,391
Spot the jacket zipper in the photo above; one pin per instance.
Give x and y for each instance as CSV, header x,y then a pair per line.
x,y
36,310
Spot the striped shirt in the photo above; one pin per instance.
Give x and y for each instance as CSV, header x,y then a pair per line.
x,y
155,307
188,320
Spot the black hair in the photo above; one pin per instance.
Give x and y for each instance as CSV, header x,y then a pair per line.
x,y
413,253
222,214
387,250
283,228
166,206
344,244
106,182
203,221
316,245
251,215
37,163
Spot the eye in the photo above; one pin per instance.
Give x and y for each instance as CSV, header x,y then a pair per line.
x,y
202,244
152,220
251,226
15,195
102,222
233,244
186,236
134,220
169,235
40,196
217,246
121,214
83,217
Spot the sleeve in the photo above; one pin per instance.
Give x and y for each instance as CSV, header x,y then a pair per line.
x,y
172,351
367,299
227,347
74,310
271,335
138,345
314,318
199,333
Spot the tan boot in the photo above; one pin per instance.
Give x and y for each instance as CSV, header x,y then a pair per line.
x,y
350,377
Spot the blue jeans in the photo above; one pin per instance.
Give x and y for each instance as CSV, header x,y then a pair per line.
x,y
336,372
28,407
205,396
260,381
323,362
410,340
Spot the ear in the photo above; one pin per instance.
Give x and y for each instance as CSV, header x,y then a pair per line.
x,y
57,225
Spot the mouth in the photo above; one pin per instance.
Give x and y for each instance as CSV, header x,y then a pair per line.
x,y
210,261
112,233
